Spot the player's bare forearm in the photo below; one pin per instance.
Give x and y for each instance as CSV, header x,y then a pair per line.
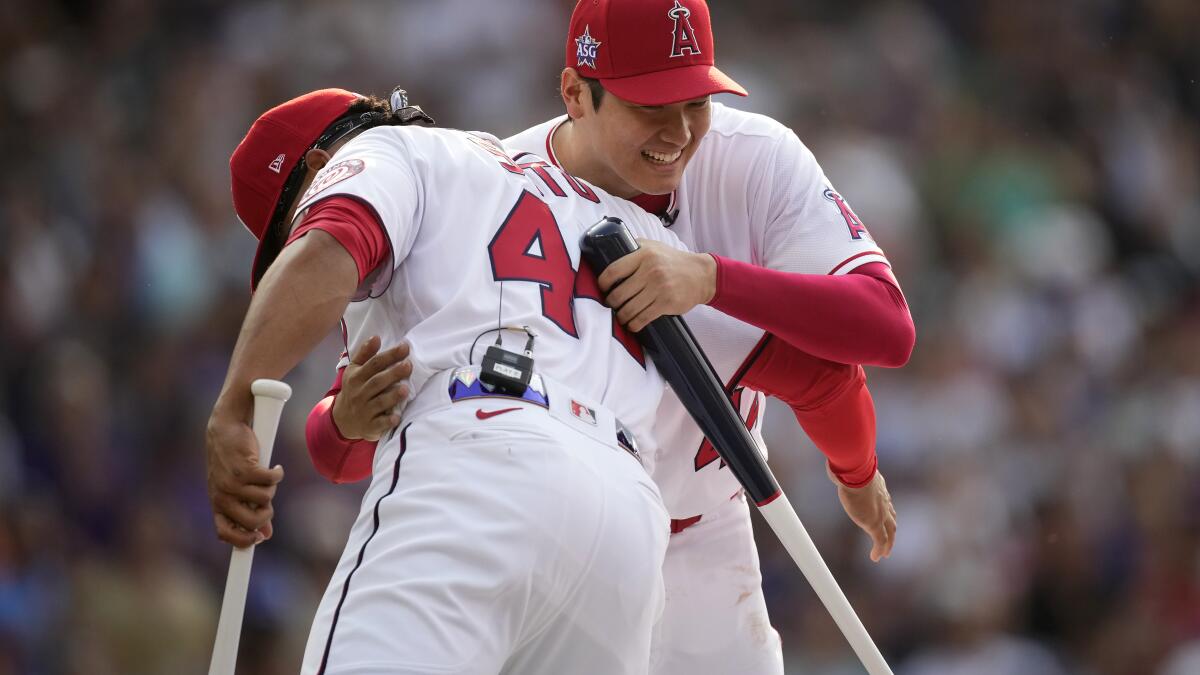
x,y
300,299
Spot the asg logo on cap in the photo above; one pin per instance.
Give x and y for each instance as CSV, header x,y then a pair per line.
x,y
586,48
683,38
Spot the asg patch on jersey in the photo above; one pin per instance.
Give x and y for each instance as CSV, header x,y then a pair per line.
x,y
683,39
332,174
857,229
586,48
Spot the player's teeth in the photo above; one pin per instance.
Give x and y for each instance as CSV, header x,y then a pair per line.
x,y
660,157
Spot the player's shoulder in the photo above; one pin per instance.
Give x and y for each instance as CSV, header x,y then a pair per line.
x,y
535,139
730,122
738,138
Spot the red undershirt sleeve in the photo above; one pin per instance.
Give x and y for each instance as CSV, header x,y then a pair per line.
x,y
860,317
336,457
830,400
354,225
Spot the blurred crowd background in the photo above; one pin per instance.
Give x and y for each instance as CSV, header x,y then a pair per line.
x,y
1032,169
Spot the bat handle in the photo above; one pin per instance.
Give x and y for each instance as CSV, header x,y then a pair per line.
x,y
269,397
606,242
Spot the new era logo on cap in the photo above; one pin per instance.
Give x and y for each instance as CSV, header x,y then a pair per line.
x,y
276,164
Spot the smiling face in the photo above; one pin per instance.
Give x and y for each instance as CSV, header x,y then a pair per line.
x,y
629,149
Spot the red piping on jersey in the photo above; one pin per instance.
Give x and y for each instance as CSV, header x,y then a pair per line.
x,y
550,146
682,524
856,256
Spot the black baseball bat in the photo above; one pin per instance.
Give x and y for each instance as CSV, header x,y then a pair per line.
x,y
684,366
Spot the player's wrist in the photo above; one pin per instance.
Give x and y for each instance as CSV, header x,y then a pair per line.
x,y
233,405
339,426
710,270
854,485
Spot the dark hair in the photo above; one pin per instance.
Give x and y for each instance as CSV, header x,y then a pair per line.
x,y
366,104
597,90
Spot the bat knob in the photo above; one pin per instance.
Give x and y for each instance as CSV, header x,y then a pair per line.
x,y
271,389
606,242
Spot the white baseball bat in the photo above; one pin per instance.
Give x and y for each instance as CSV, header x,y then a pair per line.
x,y
782,518
269,397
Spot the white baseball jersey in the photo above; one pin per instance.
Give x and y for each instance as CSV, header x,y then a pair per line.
x,y
444,285
494,537
755,193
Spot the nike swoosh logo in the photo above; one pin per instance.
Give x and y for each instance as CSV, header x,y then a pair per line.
x,y
485,414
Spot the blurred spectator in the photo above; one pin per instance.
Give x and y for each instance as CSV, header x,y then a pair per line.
x,y
1032,168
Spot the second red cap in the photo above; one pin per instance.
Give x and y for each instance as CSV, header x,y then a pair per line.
x,y
648,52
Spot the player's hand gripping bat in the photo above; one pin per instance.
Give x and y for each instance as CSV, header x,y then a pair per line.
x,y
685,367
269,397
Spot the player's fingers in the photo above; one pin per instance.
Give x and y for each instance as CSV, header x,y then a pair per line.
x,y
253,474
889,527
384,379
387,400
366,350
619,270
643,318
382,361
879,541
381,424
622,292
633,307
242,514
230,533
254,495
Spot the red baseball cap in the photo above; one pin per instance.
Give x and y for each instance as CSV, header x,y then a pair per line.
x,y
263,162
648,52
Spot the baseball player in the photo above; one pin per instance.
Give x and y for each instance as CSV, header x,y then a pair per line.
x,y
802,286
509,526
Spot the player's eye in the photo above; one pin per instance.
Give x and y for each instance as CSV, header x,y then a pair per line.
x,y
699,104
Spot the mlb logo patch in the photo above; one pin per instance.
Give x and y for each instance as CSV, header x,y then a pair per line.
x,y
586,48
583,412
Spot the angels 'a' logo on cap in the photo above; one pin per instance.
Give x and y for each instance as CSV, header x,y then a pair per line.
x,y
683,38
276,164
586,48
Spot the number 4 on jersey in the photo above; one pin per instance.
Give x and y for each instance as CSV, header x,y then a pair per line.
x,y
707,454
529,247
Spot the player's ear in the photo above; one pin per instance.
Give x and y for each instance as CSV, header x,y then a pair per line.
x,y
316,159
575,93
